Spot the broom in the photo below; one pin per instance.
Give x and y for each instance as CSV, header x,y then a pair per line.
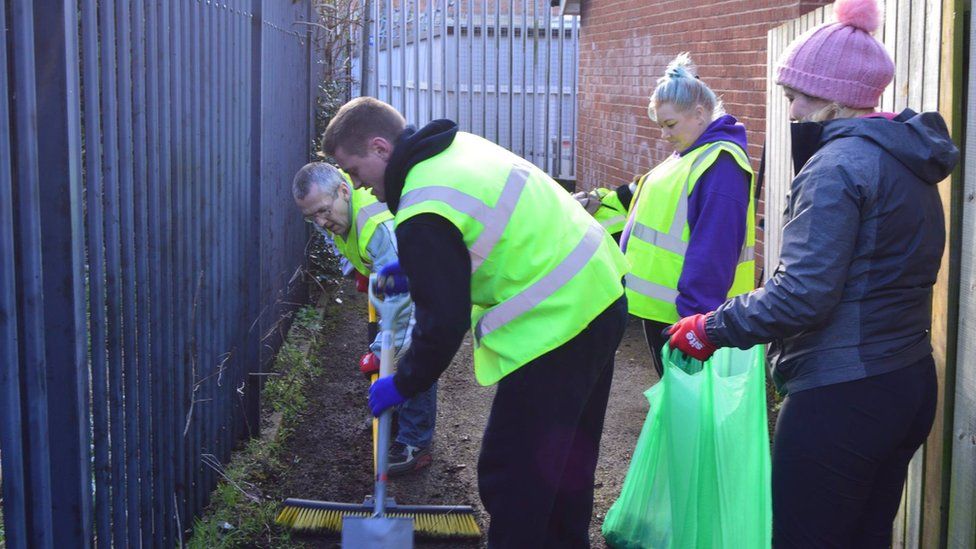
x,y
436,521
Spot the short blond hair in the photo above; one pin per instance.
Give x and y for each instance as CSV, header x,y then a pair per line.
x,y
681,87
359,120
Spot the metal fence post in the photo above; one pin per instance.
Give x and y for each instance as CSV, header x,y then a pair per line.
x,y
127,225
96,268
366,48
253,351
113,291
62,229
30,313
14,496
141,110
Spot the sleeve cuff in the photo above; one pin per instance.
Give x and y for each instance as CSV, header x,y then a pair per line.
x,y
398,383
712,330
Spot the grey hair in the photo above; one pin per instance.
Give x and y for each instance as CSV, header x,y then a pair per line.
x,y
681,87
322,174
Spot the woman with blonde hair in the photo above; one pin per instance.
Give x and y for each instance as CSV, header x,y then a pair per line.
x,y
847,312
689,230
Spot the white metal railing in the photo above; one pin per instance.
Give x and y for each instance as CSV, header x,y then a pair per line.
x,y
505,70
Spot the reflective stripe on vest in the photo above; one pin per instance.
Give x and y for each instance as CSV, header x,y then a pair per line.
x,y
365,213
523,301
494,219
650,289
610,222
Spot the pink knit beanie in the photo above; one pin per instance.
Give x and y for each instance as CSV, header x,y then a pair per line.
x,y
840,61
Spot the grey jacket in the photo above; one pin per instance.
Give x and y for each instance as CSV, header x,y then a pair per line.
x,y
864,234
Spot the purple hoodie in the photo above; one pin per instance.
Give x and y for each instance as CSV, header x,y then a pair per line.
x,y
717,210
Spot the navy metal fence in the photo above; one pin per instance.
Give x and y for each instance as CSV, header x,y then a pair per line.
x,y
148,252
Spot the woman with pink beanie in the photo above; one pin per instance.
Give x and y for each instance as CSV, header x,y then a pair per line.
x,y
847,312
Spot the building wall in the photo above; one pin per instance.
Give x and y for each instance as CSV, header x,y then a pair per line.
x,y
624,48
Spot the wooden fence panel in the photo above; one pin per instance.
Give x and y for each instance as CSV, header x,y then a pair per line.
x,y
962,492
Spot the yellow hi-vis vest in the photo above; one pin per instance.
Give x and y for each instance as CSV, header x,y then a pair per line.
x,y
366,214
659,235
541,267
611,214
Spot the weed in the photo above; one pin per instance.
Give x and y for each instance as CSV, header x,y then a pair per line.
x,y
309,318
238,514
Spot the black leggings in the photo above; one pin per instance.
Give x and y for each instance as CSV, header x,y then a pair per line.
x,y
655,340
840,457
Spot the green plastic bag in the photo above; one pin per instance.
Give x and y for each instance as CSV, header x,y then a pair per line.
x,y
700,475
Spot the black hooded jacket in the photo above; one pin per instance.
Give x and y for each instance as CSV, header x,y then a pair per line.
x,y
436,261
862,244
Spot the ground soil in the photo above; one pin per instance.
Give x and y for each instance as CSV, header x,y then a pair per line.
x,y
330,455
330,458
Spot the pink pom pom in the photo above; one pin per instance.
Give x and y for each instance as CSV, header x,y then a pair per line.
x,y
861,14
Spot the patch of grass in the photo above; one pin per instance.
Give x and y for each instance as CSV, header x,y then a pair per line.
x,y
284,393
2,537
239,515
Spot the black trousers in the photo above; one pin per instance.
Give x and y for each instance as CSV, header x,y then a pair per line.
x,y
539,453
655,340
840,457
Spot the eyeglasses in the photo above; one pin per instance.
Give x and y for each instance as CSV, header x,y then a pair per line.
x,y
326,211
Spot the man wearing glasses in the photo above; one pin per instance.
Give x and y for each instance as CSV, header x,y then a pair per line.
x,y
362,230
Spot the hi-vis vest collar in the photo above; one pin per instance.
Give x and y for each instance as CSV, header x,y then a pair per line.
x,y
363,207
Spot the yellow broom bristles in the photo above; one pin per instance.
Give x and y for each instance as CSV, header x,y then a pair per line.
x,y
434,524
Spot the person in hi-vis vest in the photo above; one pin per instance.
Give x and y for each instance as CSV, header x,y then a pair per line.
x,y
689,232
847,312
361,229
489,242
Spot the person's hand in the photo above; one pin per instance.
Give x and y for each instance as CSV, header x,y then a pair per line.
x,y
362,282
369,365
688,336
391,280
383,394
589,200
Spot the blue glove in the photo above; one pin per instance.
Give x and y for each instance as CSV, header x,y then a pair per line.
x,y
383,394
391,280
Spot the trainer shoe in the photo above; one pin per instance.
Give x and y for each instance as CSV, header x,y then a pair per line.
x,y
405,459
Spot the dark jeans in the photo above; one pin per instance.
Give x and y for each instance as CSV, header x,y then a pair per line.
x,y
539,453
840,457
655,340
417,417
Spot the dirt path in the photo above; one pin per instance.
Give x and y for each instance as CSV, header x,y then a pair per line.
x,y
330,455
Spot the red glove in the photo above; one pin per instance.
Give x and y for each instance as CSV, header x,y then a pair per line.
x,y
369,365
688,336
362,283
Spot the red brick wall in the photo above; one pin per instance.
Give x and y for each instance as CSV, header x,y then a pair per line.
x,y
624,48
